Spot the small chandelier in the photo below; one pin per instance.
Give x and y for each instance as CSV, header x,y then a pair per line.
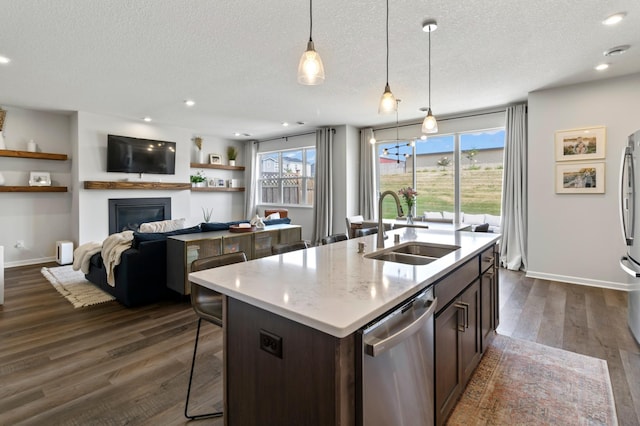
x,y
429,125
388,102
310,68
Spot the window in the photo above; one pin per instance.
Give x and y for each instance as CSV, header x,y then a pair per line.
x,y
430,167
287,177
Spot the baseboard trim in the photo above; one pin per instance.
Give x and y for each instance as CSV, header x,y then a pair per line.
x,y
582,281
29,262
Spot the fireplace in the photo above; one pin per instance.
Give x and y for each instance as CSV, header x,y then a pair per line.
x,y
128,213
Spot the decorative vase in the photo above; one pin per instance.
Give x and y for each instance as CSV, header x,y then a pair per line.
x,y
200,157
2,145
1,180
409,219
232,162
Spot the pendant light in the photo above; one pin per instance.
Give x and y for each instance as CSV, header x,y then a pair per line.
x,y
388,102
429,125
310,68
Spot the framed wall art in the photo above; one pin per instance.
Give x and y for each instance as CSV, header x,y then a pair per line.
x,y
39,179
215,159
580,144
580,178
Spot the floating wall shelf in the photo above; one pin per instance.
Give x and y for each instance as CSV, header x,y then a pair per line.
x,y
33,189
216,189
29,154
215,166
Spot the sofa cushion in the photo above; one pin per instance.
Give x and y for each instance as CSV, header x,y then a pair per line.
x,y
282,220
473,219
162,225
219,226
492,220
482,228
433,215
139,237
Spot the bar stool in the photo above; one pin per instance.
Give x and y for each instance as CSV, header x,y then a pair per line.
x,y
208,306
366,231
287,247
334,238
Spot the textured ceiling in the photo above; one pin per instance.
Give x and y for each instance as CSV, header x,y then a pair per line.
x,y
238,59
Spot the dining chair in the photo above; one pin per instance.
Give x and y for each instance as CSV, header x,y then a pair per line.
x,y
208,306
353,220
366,231
334,238
287,247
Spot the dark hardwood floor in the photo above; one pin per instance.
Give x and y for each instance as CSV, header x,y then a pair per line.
x,y
109,365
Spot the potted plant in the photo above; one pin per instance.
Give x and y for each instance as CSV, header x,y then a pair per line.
x,y
199,179
232,153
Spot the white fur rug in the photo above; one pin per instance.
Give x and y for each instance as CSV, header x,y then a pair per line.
x,y
74,287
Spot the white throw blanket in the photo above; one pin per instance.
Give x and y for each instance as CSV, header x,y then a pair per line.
x,y
82,255
112,248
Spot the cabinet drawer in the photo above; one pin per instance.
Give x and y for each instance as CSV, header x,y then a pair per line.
x,y
450,286
487,259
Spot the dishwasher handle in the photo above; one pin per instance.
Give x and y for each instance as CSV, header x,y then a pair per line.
x,y
381,346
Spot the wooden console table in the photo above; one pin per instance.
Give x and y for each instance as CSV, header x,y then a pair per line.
x,y
182,250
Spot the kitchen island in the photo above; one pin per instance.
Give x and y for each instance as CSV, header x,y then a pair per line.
x,y
290,320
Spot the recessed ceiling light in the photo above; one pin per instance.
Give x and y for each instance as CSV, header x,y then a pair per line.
x,y
147,119
614,19
601,67
189,102
236,134
285,124
618,50
4,60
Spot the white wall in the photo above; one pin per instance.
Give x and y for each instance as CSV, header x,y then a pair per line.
x,y
38,219
93,221
575,237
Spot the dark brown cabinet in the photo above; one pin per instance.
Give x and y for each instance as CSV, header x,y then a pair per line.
x,y
468,316
457,348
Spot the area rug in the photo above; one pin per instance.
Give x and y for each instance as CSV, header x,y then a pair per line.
x,y
524,383
74,287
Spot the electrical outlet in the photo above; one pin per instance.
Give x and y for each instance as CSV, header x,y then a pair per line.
x,y
19,244
271,343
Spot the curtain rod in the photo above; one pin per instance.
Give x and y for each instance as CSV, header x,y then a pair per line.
x,y
291,136
413,123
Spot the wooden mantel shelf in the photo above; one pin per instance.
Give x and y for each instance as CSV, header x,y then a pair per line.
x,y
33,189
29,154
94,184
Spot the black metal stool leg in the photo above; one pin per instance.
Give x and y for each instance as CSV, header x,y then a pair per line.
x,y
193,363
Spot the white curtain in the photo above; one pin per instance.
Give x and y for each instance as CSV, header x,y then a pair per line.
x,y
250,178
368,197
323,199
513,242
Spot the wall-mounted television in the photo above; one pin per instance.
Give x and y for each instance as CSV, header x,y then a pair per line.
x,y
133,155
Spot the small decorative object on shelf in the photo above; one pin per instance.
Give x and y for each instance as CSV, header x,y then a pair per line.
x,y
32,146
199,179
215,159
232,154
40,179
2,181
198,141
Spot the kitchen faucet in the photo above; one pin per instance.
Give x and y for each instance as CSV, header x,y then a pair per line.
x,y
381,231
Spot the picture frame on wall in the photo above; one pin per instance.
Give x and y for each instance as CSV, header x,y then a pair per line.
x,y
586,143
215,159
580,178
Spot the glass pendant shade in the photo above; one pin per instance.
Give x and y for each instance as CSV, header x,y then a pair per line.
x,y
388,102
429,125
310,68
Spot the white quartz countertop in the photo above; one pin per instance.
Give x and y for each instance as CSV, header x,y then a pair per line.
x,y
333,288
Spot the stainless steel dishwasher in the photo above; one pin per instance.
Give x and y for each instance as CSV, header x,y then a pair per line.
x,y
397,379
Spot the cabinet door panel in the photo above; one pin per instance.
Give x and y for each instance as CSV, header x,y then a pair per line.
x,y
447,356
486,307
470,338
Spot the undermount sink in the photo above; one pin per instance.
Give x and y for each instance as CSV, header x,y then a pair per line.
x,y
413,253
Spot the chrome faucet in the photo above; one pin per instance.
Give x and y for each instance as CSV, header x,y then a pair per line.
x,y
381,231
